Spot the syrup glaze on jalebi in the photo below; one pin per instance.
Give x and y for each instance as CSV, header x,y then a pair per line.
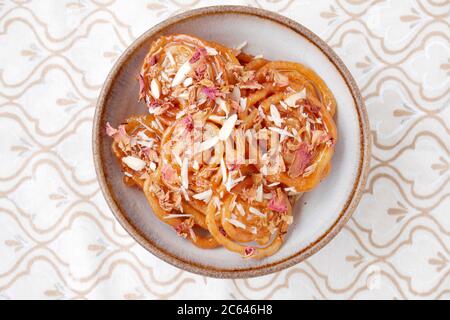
x,y
229,143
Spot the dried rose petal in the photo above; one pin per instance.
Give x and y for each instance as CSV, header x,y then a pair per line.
x,y
211,93
278,202
180,230
249,251
313,109
120,135
169,174
153,104
325,137
234,166
110,131
222,231
302,158
188,122
200,71
153,60
142,87
199,53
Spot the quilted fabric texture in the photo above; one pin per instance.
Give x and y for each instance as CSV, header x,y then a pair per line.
x,y
59,240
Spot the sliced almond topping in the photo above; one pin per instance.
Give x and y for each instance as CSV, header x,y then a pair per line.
x,y
181,74
185,195
208,144
195,165
243,103
171,59
155,89
152,166
256,212
273,184
227,127
292,99
187,82
223,170
237,223
240,208
204,196
223,105
216,119
134,163
259,193
184,173
276,117
236,94
211,51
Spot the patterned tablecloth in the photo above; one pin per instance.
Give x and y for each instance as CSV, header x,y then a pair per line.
x,y
59,240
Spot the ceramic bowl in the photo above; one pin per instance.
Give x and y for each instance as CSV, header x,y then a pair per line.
x,y
319,215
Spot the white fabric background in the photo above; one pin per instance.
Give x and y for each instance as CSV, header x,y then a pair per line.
x,y
58,239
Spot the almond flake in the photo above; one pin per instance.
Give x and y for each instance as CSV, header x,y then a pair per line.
x,y
181,74
223,170
236,94
292,99
154,88
284,105
180,114
240,208
208,144
273,184
216,119
227,127
237,223
134,163
187,82
204,196
185,194
256,212
243,103
223,105
217,203
259,193
276,118
171,59
178,159
184,173
219,76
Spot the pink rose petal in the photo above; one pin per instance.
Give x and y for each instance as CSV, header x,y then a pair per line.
x,y
302,158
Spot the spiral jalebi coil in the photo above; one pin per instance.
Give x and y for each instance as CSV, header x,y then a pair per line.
x,y
196,154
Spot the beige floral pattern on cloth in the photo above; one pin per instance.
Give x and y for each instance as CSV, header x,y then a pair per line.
x,y
59,240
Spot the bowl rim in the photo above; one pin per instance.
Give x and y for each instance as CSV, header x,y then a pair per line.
x,y
325,238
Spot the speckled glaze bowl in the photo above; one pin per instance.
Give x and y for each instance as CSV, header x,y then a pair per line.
x,y
318,216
